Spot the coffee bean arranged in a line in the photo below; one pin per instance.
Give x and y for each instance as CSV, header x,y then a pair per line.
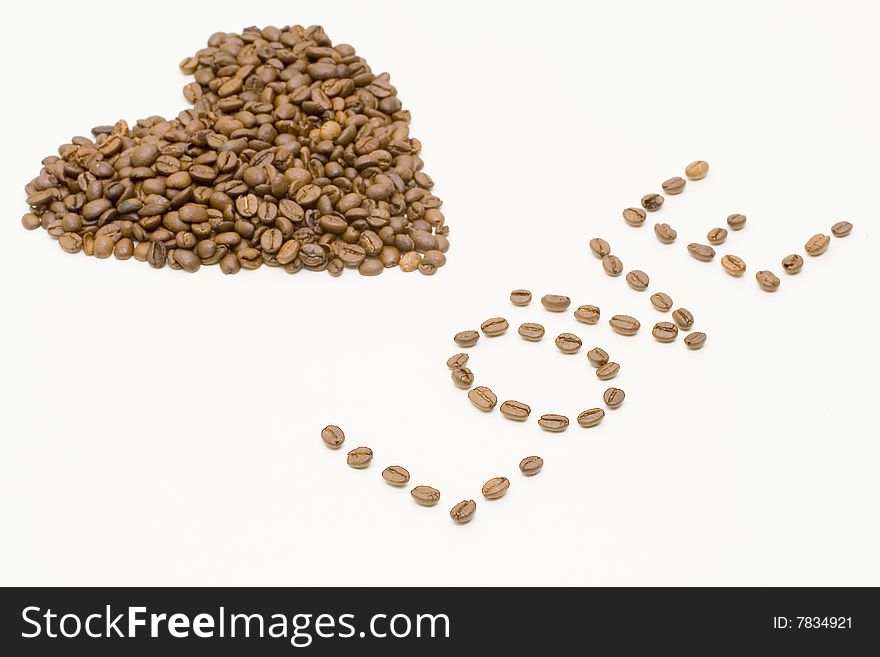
x,y
597,356
701,252
556,303
587,314
607,371
599,247
332,436
697,170
396,475
661,301
613,397
514,410
733,265
495,488
612,265
457,361
590,417
553,423
625,324
695,340
665,332
767,280
483,398
494,327
792,264
736,221
674,185
568,343
716,236
425,495
463,377
684,318
841,229
520,297
531,331
466,338
359,457
463,511
638,280
652,202
531,465
817,244
665,233
634,216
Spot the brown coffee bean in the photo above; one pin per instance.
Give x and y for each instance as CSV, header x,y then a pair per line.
x,y
661,301
624,324
665,233
733,265
697,170
142,251
701,252
462,377
600,247
587,314
607,371
531,465
332,436
359,457
638,280
612,265
70,243
674,185
634,217
613,397
531,331
553,423
555,302
767,280
495,488
716,236
817,244
396,475
456,361
684,318
124,249
466,338
410,261
841,229
514,410
30,221
463,511
229,264
652,202
370,267
568,343
158,255
792,264
427,268
695,340
425,495
590,417
520,297
665,332
104,245
187,260
494,327
736,221
597,356
483,398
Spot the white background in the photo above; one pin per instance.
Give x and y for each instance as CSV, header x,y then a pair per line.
x,y
162,428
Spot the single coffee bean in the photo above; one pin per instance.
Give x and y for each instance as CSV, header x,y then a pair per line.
x,y
665,233
661,301
652,202
717,236
462,377
531,465
555,302
30,221
607,371
736,221
425,495
695,340
638,280
674,185
817,244
332,436
792,264
520,297
684,318
483,398
104,246
665,332
625,325
768,281
466,338
531,331
494,326
359,457
410,261
697,170
124,249
495,488
456,361
396,475
590,417
841,229
733,265
70,243
587,314
514,410
568,343
463,511
634,216
600,247
553,423
701,252
612,265
613,397
597,356
369,267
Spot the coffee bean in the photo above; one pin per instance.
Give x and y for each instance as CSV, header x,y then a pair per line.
x,y
817,244
332,436
396,475
652,202
674,185
792,264
425,495
531,331
665,233
495,488
612,265
124,249
553,423
597,356
520,297
695,340
230,264
736,221
187,260
661,301
494,326
359,457
158,255
466,338
30,221
768,281
568,343
625,325
104,246
600,247
483,398
634,217
841,229
555,302
716,236
463,511
638,280
697,170
70,243
701,252
607,371
613,397
531,465
456,361
665,332
514,410
410,261
369,267
590,417
462,377
684,318
733,265
587,314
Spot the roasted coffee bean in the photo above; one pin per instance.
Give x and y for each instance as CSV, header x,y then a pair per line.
x,y
104,246
736,221
495,488
613,397
817,244
733,265
456,361
30,221
841,229
600,247
568,343
717,236
590,417
332,436
466,338
587,314
463,511
514,410
553,423
483,398
70,243
520,297
674,185
697,170
396,475
665,233
634,217
638,280
494,327
612,265
684,318
531,465
531,331
556,303
425,495
652,202
463,377
701,252
427,268
661,301
597,356
624,324
767,280
607,371
370,267
695,340
158,255
665,332
187,260
410,261
360,457
792,264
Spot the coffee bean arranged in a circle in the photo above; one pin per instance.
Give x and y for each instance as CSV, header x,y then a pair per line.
x,y
665,332
332,436
520,297
717,236
695,340
483,398
466,338
597,356
702,252
494,327
767,280
556,303
792,264
568,343
463,377
514,410
531,465
531,331
652,202
684,318
360,457
425,495
665,233
456,361
590,417
736,221
674,185
599,247
625,324
553,423
587,314
463,511
495,488
634,216
612,265
733,265
841,229
613,397
607,371
396,475
697,170
817,244
638,280
661,301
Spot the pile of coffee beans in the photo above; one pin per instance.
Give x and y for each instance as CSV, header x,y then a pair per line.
x,y
294,154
